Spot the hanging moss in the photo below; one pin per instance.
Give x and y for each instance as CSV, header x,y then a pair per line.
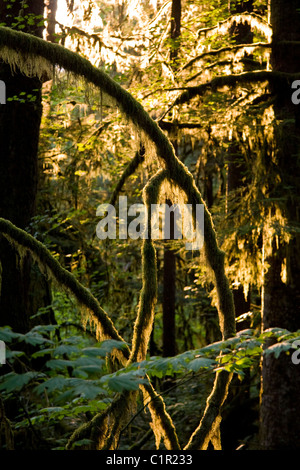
x,y
236,47
51,268
223,27
33,56
145,316
162,425
99,428
208,429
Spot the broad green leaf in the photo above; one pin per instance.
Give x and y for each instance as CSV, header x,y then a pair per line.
x,y
99,406
59,364
88,389
12,354
52,384
278,348
109,345
122,382
82,442
89,361
42,352
7,335
201,363
65,349
14,382
35,339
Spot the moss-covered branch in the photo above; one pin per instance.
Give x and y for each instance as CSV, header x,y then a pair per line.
x,y
249,48
99,429
34,56
210,422
129,170
223,27
162,424
52,268
233,80
145,316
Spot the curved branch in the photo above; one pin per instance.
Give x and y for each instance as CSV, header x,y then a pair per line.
x,y
162,423
231,81
255,21
247,47
35,56
98,428
144,320
43,256
211,419
129,170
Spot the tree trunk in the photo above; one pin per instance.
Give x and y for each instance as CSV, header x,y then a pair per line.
x,y
280,399
51,8
19,136
241,34
237,423
169,295
169,274
175,30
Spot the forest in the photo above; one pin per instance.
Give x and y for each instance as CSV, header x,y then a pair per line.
x,y
121,331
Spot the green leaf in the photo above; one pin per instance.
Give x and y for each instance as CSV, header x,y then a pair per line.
x,y
53,410
201,363
109,345
52,384
125,381
93,351
65,349
59,364
88,389
278,348
94,407
89,361
42,352
35,338
13,354
13,382
80,373
7,335
82,442
244,362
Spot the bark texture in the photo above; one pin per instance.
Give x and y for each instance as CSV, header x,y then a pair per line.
x,y
19,136
280,400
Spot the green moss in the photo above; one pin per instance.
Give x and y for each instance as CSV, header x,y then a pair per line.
x,y
129,170
33,56
50,266
162,425
208,428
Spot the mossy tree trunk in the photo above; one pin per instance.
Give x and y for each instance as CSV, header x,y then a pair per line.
x,y
19,136
280,400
